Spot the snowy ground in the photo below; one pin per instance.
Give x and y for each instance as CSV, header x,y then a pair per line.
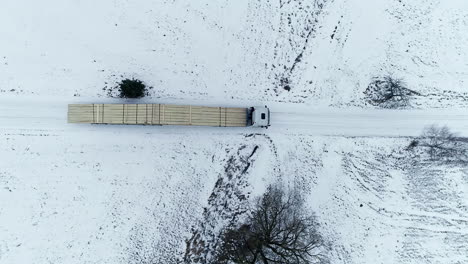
x,y
95,196
129,194
327,51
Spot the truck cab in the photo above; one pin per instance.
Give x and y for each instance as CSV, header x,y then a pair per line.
x,y
260,116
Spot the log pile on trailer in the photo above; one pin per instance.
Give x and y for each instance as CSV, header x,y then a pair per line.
x,y
158,114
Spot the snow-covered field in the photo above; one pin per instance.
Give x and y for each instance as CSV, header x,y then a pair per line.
x,y
129,194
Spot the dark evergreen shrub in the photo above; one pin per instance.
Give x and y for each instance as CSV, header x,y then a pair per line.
x,y
131,88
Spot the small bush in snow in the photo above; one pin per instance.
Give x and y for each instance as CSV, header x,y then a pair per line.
x,y
413,144
389,92
442,144
131,88
278,230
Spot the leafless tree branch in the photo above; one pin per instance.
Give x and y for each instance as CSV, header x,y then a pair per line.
x,y
442,144
389,92
279,230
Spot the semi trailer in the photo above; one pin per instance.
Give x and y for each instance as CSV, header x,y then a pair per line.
x,y
163,114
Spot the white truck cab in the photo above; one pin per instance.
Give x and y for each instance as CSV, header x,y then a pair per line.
x,y
260,116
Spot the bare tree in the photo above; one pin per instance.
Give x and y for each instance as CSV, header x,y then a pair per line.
x,y
441,143
389,92
279,230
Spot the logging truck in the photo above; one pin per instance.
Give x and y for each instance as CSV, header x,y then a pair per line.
x,y
163,114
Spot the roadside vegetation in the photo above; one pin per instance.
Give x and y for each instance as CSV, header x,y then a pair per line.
x,y
132,88
439,143
389,92
279,229
129,88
